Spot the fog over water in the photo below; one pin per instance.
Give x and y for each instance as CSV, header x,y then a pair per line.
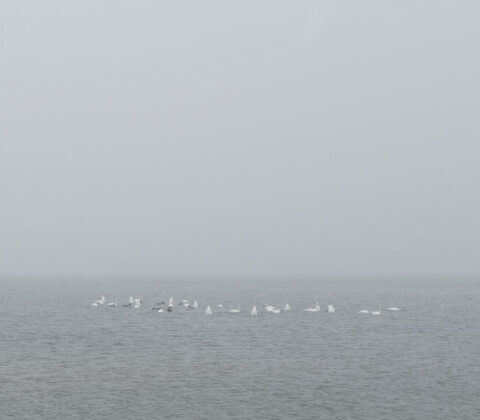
x,y
245,138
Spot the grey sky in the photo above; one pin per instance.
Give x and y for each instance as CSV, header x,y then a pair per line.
x,y
249,137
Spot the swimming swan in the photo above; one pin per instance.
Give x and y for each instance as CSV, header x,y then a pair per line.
x,y
254,311
99,302
330,309
316,309
208,311
287,307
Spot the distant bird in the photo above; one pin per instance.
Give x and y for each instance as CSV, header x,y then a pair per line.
x,y
219,305
113,303
208,311
161,305
379,312
234,311
195,304
254,311
131,301
276,311
269,308
160,310
363,311
315,309
138,303
170,309
330,309
99,302
287,307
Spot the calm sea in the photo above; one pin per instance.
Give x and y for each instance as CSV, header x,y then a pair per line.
x,y
61,358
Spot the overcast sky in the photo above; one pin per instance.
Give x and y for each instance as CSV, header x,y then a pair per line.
x,y
239,137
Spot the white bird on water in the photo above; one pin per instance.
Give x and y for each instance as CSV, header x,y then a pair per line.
x,y
195,304
330,309
287,307
315,309
269,308
254,311
234,311
138,303
276,311
208,311
363,311
113,303
379,312
131,301
99,302
220,306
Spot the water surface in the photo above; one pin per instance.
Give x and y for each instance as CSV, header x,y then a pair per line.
x,y
62,358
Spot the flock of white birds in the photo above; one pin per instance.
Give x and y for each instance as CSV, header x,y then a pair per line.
x,y
274,309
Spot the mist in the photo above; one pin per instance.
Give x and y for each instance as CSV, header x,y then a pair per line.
x,y
273,138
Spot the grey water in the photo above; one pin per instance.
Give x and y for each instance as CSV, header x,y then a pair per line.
x,y
62,358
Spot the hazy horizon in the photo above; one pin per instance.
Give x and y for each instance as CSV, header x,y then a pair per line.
x,y
209,139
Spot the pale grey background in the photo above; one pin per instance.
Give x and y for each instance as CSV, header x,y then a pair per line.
x,y
219,138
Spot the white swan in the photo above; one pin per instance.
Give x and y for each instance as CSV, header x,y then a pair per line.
x,y
330,309
208,311
393,309
170,302
363,311
234,311
195,304
315,309
254,311
269,308
99,302
379,312
138,303
131,301
287,307
276,311
113,303
219,305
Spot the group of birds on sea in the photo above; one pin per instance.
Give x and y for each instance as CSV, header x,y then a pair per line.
x,y
274,309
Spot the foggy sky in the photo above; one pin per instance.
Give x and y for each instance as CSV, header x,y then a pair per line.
x,y
239,138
